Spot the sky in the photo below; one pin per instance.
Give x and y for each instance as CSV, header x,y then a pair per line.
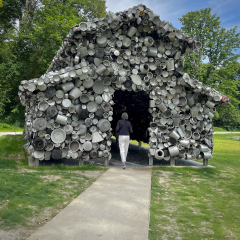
x,y
171,10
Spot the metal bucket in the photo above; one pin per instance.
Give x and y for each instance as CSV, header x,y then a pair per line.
x,y
148,41
61,119
66,87
174,134
159,154
173,151
75,93
162,107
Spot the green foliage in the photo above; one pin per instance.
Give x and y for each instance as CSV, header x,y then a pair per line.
x,y
216,63
4,125
27,51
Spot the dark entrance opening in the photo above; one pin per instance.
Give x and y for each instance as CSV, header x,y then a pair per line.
x,y
136,104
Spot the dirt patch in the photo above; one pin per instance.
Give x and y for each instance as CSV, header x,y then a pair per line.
x,y
231,235
204,229
50,178
25,170
40,219
197,180
89,174
172,228
165,177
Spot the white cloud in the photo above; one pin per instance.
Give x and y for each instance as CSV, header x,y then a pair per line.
x,y
121,5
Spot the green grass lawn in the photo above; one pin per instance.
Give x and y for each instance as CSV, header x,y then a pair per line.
x,y
142,144
11,147
218,129
32,196
188,203
10,128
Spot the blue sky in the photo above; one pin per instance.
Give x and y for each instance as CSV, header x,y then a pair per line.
x,y
171,10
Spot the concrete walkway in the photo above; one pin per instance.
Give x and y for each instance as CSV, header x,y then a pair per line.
x,y
115,207
10,133
226,132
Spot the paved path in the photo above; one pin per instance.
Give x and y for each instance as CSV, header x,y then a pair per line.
x,y
10,133
225,132
115,207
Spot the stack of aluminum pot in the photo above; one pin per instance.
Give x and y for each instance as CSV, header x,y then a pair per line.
x,y
69,109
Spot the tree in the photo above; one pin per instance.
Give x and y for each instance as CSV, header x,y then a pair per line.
x,y
216,63
29,39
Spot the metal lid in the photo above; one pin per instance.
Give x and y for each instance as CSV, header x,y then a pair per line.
x,y
93,129
66,103
38,154
98,87
136,79
98,99
104,125
92,106
87,146
68,129
58,135
39,124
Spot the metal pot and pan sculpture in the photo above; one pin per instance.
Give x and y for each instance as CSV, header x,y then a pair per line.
x,y
69,109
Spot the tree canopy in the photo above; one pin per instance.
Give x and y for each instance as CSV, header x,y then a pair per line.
x,y
216,64
31,32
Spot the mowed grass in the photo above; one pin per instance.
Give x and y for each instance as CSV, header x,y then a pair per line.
x,y
32,196
188,203
142,144
11,147
218,129
11,129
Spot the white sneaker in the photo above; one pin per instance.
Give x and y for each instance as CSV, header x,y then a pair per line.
x,y
124,166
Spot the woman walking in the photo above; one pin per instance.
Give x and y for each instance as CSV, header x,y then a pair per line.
x,y
123,131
